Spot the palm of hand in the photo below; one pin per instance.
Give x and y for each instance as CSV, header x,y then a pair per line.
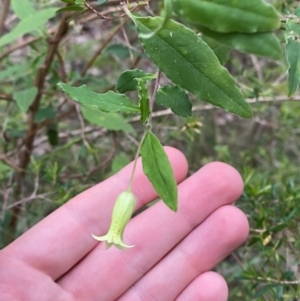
x,y
59,260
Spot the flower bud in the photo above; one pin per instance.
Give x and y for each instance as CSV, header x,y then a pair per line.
x,y
121,214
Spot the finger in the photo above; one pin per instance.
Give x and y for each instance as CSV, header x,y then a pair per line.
x,y
63,238
154,232
18,282
212,241
209,286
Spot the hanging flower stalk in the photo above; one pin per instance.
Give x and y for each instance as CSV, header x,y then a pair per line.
x,y
122,213
123,210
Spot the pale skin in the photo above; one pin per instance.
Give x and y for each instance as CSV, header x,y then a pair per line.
x,y
58,260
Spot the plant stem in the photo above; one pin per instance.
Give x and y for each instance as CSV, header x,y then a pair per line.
x,y
156,86
147,128
5,9
28,141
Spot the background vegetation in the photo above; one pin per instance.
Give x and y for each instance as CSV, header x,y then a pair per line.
x,y
51,152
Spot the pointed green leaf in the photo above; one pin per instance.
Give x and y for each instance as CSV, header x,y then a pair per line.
x,y
188,62
264,43
106,102
176,99
127,80
27,25
144,100
220,50
23,9
229,15
25,98
110,121
293,58
157,168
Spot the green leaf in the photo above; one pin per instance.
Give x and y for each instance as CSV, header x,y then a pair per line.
x,y
107,102
52,134
263,44
229,15
292,52
292,28
110,121
220,50
119,162
23,9
128,79
144,100
15,71
262,290
25,98
166,16
188,62
44,113
119,50
176,99
157,168
31,23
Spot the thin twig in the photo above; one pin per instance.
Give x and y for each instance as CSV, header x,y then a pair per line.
x,y
30,40
156,86
22,44
39,126
127,43
5,9
154,115
96,168
101,48
39,83
4,96
96,12
152,99
238,261
271,280
257,67
64,76
82,125
6,193
26,200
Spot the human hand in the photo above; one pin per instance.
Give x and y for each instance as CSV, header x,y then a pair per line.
x,y
58,260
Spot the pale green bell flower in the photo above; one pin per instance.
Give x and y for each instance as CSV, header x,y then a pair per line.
x,y
121,214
